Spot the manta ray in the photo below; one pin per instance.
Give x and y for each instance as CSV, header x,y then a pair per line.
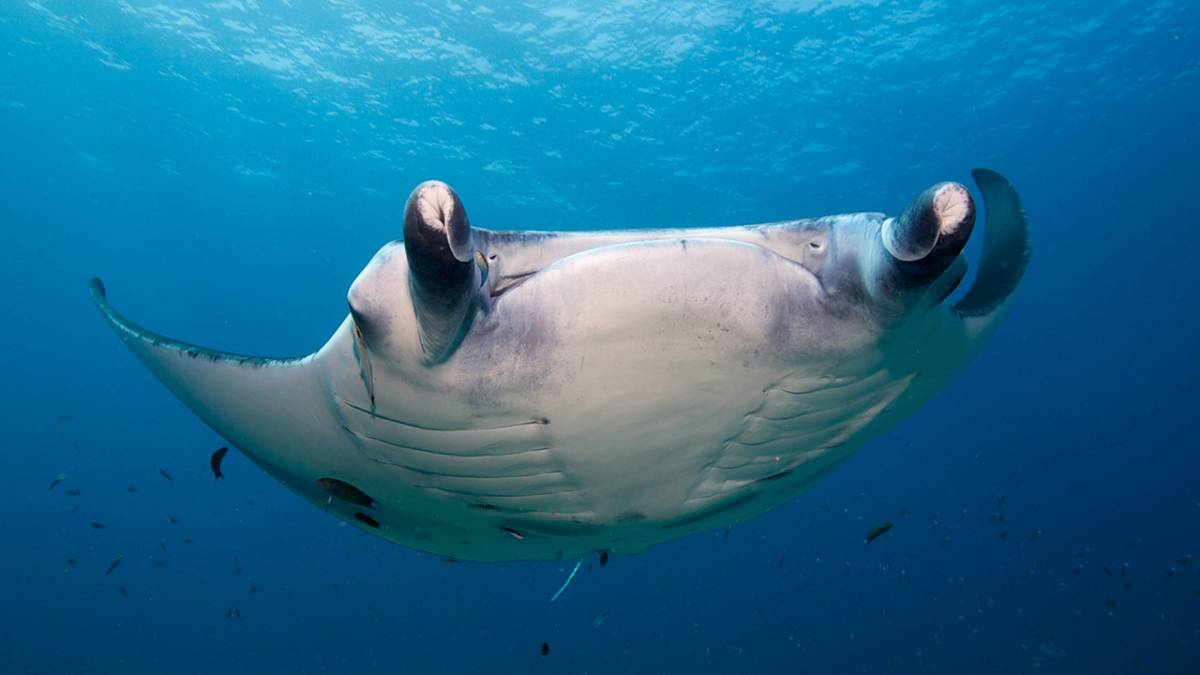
x,y
498,396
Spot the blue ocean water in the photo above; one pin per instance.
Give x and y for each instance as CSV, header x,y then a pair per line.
x,y
228,167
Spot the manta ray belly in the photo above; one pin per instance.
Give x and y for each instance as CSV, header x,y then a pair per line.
x,y
622,397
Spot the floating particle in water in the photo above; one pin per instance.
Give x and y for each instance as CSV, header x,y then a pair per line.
x,y
878,531
214,462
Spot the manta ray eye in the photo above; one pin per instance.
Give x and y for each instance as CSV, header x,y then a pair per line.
x,y
815,246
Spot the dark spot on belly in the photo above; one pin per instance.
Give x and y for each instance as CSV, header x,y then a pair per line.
x,y
366,520
631,516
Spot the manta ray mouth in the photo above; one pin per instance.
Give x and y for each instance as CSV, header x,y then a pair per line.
x,y
505,283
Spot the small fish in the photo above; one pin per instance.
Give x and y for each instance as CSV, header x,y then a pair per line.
x,y
57,479
1107,569
1000,503
173,520
159,563
163,546
603,558
599,620
96,525
1124,569
238,613
345,492
450,561
253,589
187,540
70,561
229,613
64,418
164,474
114,565
878,531
123,591
215,462
545,649
131,490
905,512
74,492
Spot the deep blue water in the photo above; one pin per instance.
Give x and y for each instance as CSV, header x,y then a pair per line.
x,y
229,167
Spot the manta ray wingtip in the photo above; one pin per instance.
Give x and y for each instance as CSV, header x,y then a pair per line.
x,y
96,288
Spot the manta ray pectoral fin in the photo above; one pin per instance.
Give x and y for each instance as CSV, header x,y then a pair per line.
x,y
268,407
444,276
1006,248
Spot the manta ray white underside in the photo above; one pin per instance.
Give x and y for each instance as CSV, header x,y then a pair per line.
x,y
521,396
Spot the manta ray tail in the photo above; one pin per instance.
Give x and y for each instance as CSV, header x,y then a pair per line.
x,y
233,394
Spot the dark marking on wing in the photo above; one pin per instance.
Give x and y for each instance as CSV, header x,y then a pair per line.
x,y
366,520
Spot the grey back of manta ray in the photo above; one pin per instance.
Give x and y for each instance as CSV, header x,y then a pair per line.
x,y
524,395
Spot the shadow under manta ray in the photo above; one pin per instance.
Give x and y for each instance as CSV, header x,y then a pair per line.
x,y
544,395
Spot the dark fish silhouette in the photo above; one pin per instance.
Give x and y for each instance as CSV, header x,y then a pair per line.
x,y
345,492
164,474
173,520
603,558
64,418
114,564
215,462
123,591
131,490
878,531
97,525
57,479
545,649
70,561
74,492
